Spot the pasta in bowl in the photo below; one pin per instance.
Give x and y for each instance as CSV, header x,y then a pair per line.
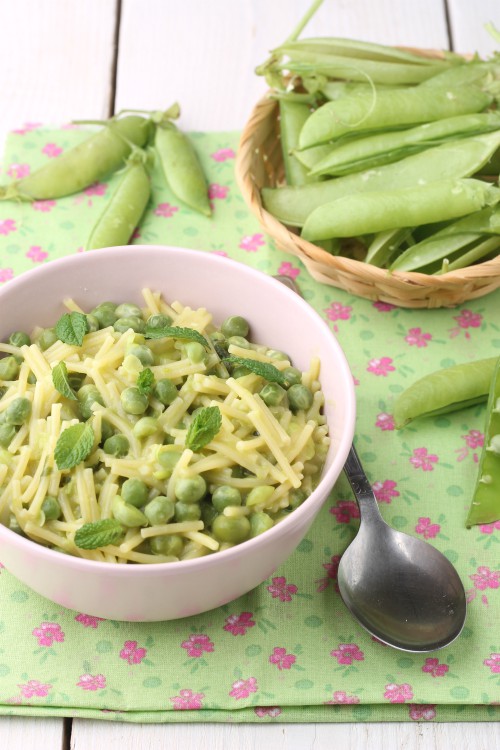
x,y
182,435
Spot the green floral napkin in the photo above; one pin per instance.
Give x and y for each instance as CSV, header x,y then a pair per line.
x,y
289,650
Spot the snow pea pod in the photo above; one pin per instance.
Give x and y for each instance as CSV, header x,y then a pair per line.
x,y
455,159
292,118
116,224
444,391
355,215
485,505
181,167
81,166
389,109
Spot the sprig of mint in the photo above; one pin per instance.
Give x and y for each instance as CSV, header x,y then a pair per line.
x,y
98,533
204,427
61,381
74,445
175,332
146,381
264,369
72,327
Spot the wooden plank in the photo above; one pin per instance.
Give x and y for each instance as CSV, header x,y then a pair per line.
x,y
467,23
31,734
56,61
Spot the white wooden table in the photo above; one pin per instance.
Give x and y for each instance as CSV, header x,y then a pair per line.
x,y
66,59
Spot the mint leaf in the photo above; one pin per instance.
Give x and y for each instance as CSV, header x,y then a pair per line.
x,y
61,381
72,327
146,381
175,332
98,533
204,427
264,369
74,445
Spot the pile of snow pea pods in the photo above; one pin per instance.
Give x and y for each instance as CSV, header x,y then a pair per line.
x,y
390,156
127,144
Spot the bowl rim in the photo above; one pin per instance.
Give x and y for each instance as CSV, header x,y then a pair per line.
x,y
330,476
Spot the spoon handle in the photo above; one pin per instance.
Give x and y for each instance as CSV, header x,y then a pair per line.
x,y
368,506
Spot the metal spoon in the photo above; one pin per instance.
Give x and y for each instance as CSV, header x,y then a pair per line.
x,y
400,589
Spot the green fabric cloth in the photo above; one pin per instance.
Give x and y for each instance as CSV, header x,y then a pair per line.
x,y
288,651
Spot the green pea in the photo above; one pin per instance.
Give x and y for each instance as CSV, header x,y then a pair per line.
x,y
234,530
47,338
116,445
135,492
105,314
208,513
272,394
292,376
170,544
299,397
225,496
296,497
88,395
7,432
240,372
158,321
165,391
127,514
190,489
160,510
217,336
133,401
235,325
93,323
107,430
259,495
260,522
195,352
128,310
142,352
144,427
19,338
276,354
124,324
187,512
240,341
51,508
9,368
17,411
76,379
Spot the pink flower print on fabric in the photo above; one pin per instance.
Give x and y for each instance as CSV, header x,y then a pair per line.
x,y
346,653
337,311
332,569
493,663
286,269
196,645
345,511
385,421
474,440
263,711
27,128
239,624
36,254
166,210
243,688
97,188
489,528
385,491
281,590
7,226
421,459
398,693
252,242
2,567
187,700
223,154
89,621
131,653
52,150
381,366
44,206
217,191
423,712
383,306
340,698
415,337
486,578
47,633
34,689
18,171
433,667
6,274
281,658
466,319
92,682
427,529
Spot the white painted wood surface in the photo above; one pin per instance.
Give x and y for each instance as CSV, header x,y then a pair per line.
x,y
57,62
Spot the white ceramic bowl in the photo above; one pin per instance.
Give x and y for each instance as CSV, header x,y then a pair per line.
x,y
279,318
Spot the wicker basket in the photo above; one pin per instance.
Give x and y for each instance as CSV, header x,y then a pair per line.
x,y
259,163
